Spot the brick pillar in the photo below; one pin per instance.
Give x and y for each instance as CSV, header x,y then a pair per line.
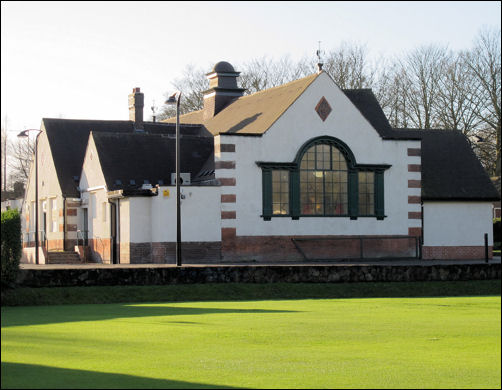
x,y
224,171
414,178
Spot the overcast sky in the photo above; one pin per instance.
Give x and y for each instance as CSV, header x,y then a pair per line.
x,y
80,60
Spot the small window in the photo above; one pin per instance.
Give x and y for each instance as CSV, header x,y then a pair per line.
x,y
280,192
366,193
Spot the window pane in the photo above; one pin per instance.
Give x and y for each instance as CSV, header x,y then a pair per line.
x,y
280,192
366,193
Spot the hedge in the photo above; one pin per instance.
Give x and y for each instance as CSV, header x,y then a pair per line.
x,y
11,249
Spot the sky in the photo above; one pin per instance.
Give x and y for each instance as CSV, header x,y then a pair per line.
x,y
81,60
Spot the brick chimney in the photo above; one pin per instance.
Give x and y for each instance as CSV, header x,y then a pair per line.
x,y
136,104
222,89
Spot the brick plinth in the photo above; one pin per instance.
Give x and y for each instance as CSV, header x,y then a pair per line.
x,y
290,248
456,252
165,252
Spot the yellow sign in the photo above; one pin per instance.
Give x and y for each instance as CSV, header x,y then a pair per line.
x,y
166,193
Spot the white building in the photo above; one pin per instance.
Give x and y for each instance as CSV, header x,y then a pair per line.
x,y
300,171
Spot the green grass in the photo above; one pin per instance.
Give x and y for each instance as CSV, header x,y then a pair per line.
x,y
440,342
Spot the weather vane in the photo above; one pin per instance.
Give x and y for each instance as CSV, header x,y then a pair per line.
x,y
319,63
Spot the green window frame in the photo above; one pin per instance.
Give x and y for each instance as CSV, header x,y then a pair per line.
x,y
324,180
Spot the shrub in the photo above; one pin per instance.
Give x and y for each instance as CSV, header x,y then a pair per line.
x,y
11,247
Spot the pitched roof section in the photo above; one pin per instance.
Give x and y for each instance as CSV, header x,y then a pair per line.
x,y
450,169
68,141
140,157
254,114
251,114
367,104
194,117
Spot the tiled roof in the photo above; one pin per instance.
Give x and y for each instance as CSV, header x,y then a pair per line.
x,y
68,141
367,104
127,160
194,117
450,169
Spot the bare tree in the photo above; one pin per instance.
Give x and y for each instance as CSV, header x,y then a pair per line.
x,y
390,90
457,99
192,84
350,67
421,72
264,73
484,64
22,154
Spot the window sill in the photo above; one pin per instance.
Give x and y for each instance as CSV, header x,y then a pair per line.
x,y
269,217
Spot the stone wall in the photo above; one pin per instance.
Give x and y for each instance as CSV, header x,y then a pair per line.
x,y
255,274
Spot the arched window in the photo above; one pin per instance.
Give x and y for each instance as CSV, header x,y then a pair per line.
x,y
323,180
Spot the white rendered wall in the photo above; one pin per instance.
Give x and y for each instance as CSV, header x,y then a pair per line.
x,y
283,140
48,188
153,219
124,209
457,223
94,195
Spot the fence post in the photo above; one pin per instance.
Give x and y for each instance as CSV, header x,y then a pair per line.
x,y
486,247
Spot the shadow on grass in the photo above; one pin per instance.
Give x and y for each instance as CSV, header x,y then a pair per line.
x,y
31,376
26,296
37,315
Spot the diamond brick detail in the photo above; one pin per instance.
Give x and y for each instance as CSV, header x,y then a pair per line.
x,y
323,108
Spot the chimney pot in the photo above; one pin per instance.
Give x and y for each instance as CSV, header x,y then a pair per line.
x,y
136,104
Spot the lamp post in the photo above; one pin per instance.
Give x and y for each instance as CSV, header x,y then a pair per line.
x,y
175,99
23,134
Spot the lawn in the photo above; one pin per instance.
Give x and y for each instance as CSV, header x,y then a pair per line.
x,y
437,342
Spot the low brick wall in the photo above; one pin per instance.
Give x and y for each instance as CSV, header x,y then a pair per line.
x,y
255,274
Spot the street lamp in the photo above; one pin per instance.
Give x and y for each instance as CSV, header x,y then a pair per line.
x,y
24,134
175,99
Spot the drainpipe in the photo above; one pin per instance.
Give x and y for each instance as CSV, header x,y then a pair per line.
x,y
421,243
118,231
64,223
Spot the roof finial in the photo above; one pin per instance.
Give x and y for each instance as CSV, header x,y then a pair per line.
x,y
154,111
319,63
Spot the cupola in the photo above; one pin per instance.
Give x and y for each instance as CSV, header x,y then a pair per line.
x,y
222,88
